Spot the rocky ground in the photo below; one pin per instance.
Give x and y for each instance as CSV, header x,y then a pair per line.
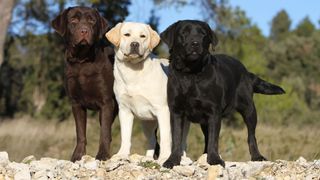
x,y
140,167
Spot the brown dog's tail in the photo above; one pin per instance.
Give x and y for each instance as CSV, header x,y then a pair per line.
x,y
263,87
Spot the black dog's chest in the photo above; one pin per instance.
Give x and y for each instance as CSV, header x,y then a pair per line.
x,y
193,101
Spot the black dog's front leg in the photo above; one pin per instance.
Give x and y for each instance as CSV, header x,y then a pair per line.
x,y
80,117
177,126
105,119
213,141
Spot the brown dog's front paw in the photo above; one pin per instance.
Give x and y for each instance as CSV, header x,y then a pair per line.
x,y
102,155
78,153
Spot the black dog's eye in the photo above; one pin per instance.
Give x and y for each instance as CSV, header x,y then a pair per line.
x,y
127,34
142,36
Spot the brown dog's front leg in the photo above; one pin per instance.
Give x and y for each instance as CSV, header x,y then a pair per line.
x,y
80,116
106,119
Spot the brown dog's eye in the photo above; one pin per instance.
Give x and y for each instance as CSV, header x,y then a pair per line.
x,y
74,20
127,34
142,36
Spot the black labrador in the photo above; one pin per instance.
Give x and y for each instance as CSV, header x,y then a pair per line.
x,y
88,74
203,88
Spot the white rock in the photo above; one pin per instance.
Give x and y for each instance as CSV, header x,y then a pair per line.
x,y
215,172
4,158
301,160
135,158
42,174
184,170
110,166
202,161
21,171
92,165
185,161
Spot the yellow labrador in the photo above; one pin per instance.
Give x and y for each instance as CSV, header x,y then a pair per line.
x,y
140,86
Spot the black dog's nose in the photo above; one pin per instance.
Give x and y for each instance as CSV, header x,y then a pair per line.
x,y
134,45
195,44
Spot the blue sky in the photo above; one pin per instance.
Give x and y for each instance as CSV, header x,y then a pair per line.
x,y
260,12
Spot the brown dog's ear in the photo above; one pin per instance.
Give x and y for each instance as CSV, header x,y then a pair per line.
x,y
113,35
154,38
59,24
167,36
102,24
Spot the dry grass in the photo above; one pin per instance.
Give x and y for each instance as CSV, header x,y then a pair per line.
x,y
24,136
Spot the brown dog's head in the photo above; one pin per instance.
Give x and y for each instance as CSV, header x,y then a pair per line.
x,y
80,26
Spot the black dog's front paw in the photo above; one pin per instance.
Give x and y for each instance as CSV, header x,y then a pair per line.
x,y
172,161
215,161
259,158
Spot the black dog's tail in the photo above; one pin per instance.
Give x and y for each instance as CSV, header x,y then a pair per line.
x,y
263,87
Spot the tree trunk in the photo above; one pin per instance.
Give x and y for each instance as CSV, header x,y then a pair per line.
x,y
6,7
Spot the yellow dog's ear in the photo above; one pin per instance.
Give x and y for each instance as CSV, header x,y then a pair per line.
x,y
154,38
114,35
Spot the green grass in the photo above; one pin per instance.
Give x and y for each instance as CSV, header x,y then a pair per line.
x,y
24,136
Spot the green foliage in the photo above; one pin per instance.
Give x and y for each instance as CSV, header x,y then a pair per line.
x,y
280,26
305,28
150,165
32,75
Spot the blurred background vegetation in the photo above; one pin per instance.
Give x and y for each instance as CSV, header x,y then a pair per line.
x,y
35,115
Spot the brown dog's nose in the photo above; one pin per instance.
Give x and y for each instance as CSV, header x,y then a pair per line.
x,y
134,45
84,31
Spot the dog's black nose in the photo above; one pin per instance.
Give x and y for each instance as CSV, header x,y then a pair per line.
x,y
195,44
134,45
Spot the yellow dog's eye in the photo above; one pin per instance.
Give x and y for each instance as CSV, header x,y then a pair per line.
x,y
127,34
142,36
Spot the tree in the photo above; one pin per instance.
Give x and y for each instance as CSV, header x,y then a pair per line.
x,y
280,26
38,53
305,28
6,7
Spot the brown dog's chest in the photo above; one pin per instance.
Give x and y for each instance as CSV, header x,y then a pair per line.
x,y
86,84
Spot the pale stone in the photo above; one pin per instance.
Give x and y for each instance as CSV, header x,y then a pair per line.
x,y
214,172
301,160
202,161
135,158
4,158
184,170
185,161
92,165
21,171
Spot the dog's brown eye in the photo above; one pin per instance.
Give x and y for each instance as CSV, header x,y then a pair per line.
x,y
142,36
74,20
127,34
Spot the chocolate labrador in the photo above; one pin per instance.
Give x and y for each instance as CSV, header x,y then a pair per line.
x,y
203,88
88,74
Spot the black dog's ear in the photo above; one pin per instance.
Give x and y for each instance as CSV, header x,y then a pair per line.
x,y
212,35
102,23
167,36
214,39
59,24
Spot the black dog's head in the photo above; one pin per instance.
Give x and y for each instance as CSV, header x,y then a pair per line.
x,y
190,40
80,26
